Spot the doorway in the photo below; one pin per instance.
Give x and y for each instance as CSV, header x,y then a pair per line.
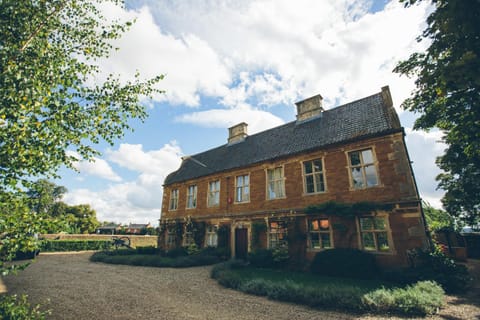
x,y
241,243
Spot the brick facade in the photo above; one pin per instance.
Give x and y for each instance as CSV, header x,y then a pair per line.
x,y
395,186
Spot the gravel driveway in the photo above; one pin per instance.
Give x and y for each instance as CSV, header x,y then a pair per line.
x,y
72,287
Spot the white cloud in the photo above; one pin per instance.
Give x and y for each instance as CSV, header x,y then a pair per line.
x,y
424,148
134,201
257,120
96,167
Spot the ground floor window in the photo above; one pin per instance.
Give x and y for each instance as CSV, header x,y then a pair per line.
x,y
188,238
319,234
374,233
211,235
171,238
277,234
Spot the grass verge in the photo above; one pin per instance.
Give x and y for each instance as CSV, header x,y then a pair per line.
x,y
422,298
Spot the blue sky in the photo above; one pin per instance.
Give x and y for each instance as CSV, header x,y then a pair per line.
x,y
231,61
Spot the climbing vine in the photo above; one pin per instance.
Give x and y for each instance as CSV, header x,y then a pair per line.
x,y
347,209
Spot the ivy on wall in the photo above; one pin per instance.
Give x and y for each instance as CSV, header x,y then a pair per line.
x,y
257,228
347,209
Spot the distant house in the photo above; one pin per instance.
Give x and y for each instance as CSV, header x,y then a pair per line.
x,y
111,228
137,228
337,178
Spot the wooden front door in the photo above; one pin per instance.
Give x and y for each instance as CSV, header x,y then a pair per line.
x,y
241,243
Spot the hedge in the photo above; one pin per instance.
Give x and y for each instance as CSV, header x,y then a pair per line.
x,y
74,245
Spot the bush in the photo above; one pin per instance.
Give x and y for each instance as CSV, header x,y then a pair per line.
x,y
13,307
176,252
344,262
147,250
422,298
74,245
433,266
261,258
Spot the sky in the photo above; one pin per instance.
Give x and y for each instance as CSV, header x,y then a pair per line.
x,y
227,62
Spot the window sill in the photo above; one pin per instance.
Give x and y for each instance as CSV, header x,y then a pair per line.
x,y
319,249
279,198
366,188
241,202
381,253
313,193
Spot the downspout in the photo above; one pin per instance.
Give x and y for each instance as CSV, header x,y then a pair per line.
x,y
422,213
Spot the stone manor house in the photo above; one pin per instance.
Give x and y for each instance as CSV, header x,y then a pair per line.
x,y
337,178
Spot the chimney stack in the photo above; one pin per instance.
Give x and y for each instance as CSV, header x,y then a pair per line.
x,y
309,108
237,133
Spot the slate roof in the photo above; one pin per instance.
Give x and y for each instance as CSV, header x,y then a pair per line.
x,y
367,117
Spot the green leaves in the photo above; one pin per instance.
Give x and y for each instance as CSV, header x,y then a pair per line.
x,y
49,56
447,96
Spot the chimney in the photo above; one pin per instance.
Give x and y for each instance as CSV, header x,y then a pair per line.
x,y
310,108
237,133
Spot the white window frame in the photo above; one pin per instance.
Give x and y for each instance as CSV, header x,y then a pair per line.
x,y
315,175
191,195
387,231
213,197
277,237
211,236
362,169
276,182
320,232
243,189
173,204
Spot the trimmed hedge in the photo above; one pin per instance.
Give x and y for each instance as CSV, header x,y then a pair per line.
x,y
149,260
422,298
74,245
345,262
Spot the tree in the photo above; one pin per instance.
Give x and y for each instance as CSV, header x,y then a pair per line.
x,y
447,96
49,101
438,219
43,196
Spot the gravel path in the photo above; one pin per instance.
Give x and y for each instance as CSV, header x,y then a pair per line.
x,y
74,288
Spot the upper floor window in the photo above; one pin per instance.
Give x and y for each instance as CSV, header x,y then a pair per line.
x,y
242,186
192,197
213,193
313,176
173,200
277,234
362,169
275,183
374,233
319,234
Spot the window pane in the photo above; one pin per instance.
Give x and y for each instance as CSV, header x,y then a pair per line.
x,y
239,181
271,190
371,175
380,223
368,242
246,193
357,177
239,195
309,184
314,225
366,223
307,167
324,224
315,240
319,182
326,243
382,241
270,174
354,158
278,173
367,156
317,165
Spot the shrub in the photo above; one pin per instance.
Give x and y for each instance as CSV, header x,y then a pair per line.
x,y
422,298
147,250
261,258
74,245
176,252
434,266
13,307
344,262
